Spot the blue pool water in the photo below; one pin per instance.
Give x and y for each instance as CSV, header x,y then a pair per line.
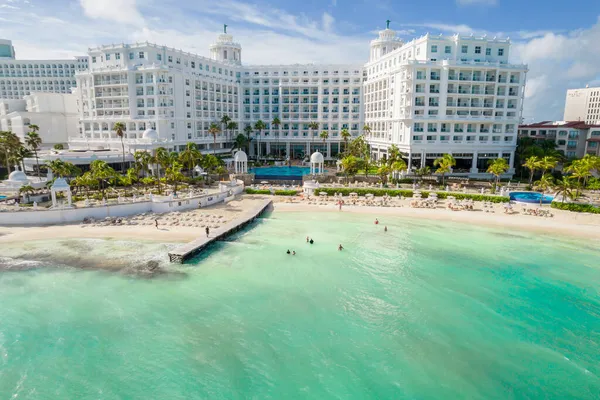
x,y
530,197
291,173
2,197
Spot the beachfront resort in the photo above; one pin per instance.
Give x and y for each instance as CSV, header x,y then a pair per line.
x,y
385,229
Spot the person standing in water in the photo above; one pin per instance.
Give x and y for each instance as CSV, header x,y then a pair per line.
x,y
307,239
385,229
376,221
311,241
340,247
156,223
294,252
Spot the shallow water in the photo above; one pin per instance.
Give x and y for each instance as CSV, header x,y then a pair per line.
x,y
427,310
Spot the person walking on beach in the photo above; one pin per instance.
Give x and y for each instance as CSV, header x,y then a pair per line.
x,y
207,231
156,222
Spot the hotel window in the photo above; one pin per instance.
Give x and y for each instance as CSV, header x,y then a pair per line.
x,y
488,52
170,58
500,52
193,64
434,48
158,57
477,49
141,54
117,56
178,60
107,57
464,49
94,59
448,50
418,50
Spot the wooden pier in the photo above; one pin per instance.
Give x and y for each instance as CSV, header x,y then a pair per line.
x,y
193,248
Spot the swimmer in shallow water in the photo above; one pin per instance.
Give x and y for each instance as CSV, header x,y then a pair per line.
x,y
311,241
340,247
385,229
288,252
294,252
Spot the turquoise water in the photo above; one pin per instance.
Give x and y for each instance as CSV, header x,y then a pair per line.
x,y
530,197
292,172
428,310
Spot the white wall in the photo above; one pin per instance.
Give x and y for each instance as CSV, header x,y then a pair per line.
x,y
158,205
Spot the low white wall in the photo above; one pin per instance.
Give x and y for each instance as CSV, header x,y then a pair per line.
x,y
157,205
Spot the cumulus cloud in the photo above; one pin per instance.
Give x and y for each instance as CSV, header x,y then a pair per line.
x,y
124,11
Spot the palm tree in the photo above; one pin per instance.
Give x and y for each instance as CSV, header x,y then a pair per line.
x,y
367,130
102,172
543,184
21,154
423,171
231,126
313,126
546,163
532,164
240,141
86,181
564,187
259,126
225,120
384,171
119,127
398,166
324,135
33,140
350,165
248,132
173,174
214,130
161,158
142,160
345,136
276,122
26,190
393,154
579,170
497,167
9,143
190,156
444,164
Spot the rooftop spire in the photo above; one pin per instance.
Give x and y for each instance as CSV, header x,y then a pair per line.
x,y
387,24
224,28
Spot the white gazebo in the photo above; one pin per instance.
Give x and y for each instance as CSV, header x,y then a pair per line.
x,y
60,185
317,162
240,161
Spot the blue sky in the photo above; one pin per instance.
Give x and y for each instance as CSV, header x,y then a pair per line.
x,y
559,40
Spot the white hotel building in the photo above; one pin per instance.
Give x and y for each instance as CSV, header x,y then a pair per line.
x,y
430,96
19,78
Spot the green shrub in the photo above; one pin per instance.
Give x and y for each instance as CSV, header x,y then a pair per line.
x,y
588,208
594,184
286,192
257,191
409,193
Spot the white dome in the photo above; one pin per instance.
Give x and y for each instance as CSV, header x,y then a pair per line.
x,y
240,156
60,183
317,158
150,134
18,176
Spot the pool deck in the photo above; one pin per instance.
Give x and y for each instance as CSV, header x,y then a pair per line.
x,y
195,247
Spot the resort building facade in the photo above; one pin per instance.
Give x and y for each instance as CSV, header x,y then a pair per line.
x,y
439,94
583,105
430,96
19,78
574,139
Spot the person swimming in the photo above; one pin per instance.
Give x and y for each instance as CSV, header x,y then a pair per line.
x,y
376,221
288,252
311,241
307,239
294,252
340,247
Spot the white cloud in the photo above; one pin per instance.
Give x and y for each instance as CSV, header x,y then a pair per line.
x,y
477,2
328,21
124,11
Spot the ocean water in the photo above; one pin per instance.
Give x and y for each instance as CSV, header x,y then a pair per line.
x,y
428,310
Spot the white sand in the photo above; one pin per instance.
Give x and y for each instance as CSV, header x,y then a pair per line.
x,y
563,223
171,229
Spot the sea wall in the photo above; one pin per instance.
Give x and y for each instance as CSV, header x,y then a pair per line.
x,y
158,204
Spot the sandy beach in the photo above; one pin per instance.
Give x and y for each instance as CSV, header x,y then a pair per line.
x,y
186,226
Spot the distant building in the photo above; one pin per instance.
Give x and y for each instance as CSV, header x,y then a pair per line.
x,y
54,113
573,138
19,78
583,105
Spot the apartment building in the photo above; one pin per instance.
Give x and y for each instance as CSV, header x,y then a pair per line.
x,y
573,138
444,94
19,78
583,105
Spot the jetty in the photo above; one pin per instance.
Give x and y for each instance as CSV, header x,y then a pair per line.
x,y
195,247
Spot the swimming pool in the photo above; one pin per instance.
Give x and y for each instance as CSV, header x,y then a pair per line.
x,y
2,197
280,173
530,197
